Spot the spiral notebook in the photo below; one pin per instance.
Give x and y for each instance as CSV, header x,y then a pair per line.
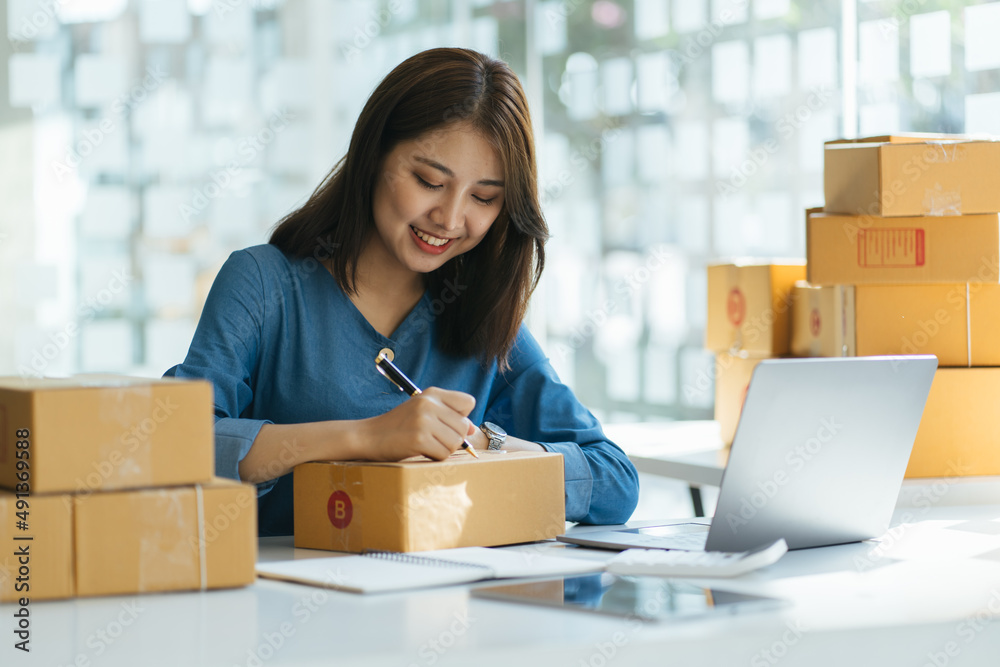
x,y
382,571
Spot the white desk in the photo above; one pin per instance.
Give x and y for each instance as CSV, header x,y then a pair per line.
x,y
690,451
891,613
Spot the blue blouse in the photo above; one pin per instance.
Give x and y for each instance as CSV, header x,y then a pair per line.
x,y
283,344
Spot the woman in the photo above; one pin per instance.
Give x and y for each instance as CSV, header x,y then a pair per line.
x,y
425,239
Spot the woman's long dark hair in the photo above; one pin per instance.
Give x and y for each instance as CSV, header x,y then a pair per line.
x,y
430,91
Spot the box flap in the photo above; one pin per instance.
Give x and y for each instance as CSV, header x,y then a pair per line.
x,y
909,138
459,457
84,381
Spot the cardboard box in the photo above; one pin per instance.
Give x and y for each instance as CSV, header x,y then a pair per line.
x,y
90,433
823,320
732,378
417,505
912,176
958,434
956,322
748,307
855,250
126,542
48,574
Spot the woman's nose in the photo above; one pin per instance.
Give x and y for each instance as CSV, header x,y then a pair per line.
x,y
448,213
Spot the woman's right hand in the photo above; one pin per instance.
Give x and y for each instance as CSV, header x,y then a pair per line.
x,y
432,423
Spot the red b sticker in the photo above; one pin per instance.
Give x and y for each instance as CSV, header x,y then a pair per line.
x,y
339,509
814,322
736,306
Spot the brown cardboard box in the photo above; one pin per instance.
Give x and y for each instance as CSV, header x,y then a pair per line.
x,y
126,542
732,378
955,322
48,574
958,434
912,176
855,250
823,320
90,433
748,307
418,505
958,323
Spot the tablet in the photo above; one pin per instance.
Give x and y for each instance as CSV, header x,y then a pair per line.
x,y
642,598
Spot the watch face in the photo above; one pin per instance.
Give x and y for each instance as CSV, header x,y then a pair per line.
x,y
491,427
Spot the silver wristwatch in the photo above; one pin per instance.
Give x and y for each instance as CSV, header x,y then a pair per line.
x,y
497,435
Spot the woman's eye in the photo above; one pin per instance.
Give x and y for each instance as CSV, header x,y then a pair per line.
x,y
431,186
425,183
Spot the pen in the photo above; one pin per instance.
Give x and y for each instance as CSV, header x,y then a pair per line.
x,y
385,366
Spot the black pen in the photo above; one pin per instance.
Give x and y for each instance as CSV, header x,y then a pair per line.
x,y
385,366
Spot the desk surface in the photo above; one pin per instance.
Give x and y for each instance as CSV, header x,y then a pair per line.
x,y
930,588
690,451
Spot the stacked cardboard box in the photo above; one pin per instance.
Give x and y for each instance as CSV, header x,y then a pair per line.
x,y
108,488
905,259
749,315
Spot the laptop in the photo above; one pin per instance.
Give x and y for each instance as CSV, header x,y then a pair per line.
x,y
818,458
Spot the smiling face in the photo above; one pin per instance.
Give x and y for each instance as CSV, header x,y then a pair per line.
x,y
436,198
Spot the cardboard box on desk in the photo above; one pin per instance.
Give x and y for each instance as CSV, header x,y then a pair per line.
x,y
125,542
823,320
912,175
866,250
732,378
748,307
418,505
955,322
958,434
102,432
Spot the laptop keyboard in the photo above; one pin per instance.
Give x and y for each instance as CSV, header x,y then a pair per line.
x,y
692,541
687,541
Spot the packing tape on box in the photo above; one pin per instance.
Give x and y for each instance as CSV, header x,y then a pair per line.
x,y
202,560
129,457
937,201
968,325
844,348
174,498
943,145
174,502
737,346
444,506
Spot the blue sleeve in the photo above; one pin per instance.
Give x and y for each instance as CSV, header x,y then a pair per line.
x,y
225,350
602,486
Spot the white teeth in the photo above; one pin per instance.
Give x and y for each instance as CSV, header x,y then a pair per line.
x,y
430,240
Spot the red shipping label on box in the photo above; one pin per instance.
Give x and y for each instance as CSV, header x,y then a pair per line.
x,y
891,248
